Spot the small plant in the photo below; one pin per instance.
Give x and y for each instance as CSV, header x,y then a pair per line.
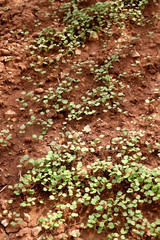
x,y
5,137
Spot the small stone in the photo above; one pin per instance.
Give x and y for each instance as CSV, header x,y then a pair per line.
x,y
86,48
61,228
148,233
23,232
22,66
4,204
18,59
36,231
34,35
14,119
52,114
4,52
1,67
51,78
61,141
2,59
27,217
10,113
13,229
3,234
78,51
152,45
157,39
2,2
3,180
62,75
60,115
39,90
158,77
135,54
87,129
92,54
93,36
5,222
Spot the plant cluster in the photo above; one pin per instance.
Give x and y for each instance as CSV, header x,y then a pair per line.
x,y
103,96
5,137
81,22
114,185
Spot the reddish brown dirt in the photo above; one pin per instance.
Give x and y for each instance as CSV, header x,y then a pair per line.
x,y
15,63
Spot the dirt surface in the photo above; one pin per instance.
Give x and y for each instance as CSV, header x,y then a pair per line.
x,y
141,105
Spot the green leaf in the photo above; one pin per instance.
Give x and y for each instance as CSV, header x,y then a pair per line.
x,y
52,197
109,185
17,192
111,225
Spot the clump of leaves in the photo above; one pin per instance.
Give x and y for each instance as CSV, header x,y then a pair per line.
x,y
80,22
78,175
5,137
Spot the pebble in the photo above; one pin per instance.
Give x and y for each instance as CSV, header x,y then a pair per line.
x,y
148,233
10,113
158,77
62,75
60,116
135,54
157,39
61,228
78,51
1,67
2,59
23,232
36,231
61,141
92,54
86,48
152,45
4,52
1,103
93,36
87,129
14,119
5,222
27,217
52,114
22,66
4,204
2,2
3,234
39,90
